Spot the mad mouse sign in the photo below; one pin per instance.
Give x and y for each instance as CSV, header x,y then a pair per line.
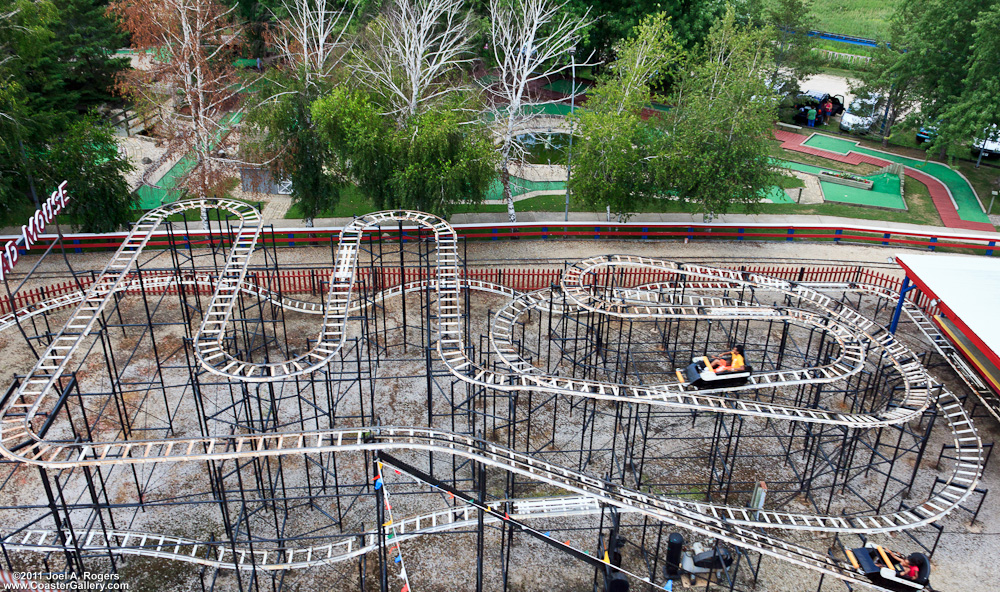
x,y
30,231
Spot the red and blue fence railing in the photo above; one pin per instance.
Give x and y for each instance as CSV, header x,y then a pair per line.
x,y
970,242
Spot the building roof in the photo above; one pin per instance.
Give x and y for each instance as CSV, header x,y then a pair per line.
x,y
967,290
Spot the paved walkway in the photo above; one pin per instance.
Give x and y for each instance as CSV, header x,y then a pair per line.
x,y
600,219
276,208
942,196
812,193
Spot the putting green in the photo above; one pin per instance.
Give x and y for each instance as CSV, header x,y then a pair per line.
x,y
965,198
776,195
167,190
884,194
831,144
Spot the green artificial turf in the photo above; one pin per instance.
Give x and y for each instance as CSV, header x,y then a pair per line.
x,y
965,199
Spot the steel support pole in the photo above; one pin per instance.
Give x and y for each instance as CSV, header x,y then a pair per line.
x,y
572,105
906,287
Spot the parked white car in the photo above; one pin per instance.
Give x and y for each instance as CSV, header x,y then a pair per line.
x,y
991,145
862,115
987,147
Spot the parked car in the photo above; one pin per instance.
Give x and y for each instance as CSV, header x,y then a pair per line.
x,y
988,147
814,98
926,133
863,115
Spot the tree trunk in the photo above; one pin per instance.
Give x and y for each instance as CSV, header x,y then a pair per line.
x,y
204,219
308,222
890,120
505,180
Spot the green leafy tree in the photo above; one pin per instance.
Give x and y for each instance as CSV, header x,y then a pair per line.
x,y
937,38
256,18
929,62
888,79
614,165
280,131
794,58
716,149
65,60
359,142
974,113
434,160
445,158
411,136
87,38
25,36
57,63
615,20
87,156
13,177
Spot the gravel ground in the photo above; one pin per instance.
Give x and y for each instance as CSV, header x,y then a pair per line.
x,y
139,147
828,83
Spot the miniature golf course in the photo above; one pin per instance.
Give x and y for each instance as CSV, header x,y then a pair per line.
x,y
951,193
166,190
884,194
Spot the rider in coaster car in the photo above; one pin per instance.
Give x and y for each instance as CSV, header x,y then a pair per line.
x,y
735,363
904,567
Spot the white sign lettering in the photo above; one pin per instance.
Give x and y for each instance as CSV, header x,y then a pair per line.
x,y
35,226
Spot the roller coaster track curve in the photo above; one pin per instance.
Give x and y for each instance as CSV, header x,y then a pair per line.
x,y
19,441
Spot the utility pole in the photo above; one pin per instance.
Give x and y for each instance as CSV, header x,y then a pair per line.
x,y
572,105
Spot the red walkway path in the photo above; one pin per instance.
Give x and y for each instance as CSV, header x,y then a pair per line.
x,y
939,193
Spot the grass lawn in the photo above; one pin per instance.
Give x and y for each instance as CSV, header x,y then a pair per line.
x,y
984,180
860,18
860,50
790,182
555,202
352,203
917,199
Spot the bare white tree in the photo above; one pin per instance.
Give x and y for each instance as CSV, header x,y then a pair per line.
x,y
410,48
531,41
312,36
